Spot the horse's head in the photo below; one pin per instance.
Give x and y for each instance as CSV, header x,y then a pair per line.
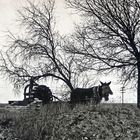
x,y
106,90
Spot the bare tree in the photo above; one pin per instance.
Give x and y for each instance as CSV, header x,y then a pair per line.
x,y
109,38
40,52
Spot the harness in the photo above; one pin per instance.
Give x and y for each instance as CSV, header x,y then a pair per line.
x,y
97,93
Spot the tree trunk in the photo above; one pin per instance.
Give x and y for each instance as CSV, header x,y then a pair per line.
x,y
70,86
138,86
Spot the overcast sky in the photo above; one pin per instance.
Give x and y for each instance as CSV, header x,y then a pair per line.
x,y
65,20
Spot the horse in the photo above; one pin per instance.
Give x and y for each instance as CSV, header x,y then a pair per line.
x,y
95,94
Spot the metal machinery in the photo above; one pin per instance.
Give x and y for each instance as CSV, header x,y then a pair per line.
x,y
33,90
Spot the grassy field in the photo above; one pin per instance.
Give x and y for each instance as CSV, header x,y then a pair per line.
x,y
60,122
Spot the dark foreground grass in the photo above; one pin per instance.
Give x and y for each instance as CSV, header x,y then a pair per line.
x,y
84,122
